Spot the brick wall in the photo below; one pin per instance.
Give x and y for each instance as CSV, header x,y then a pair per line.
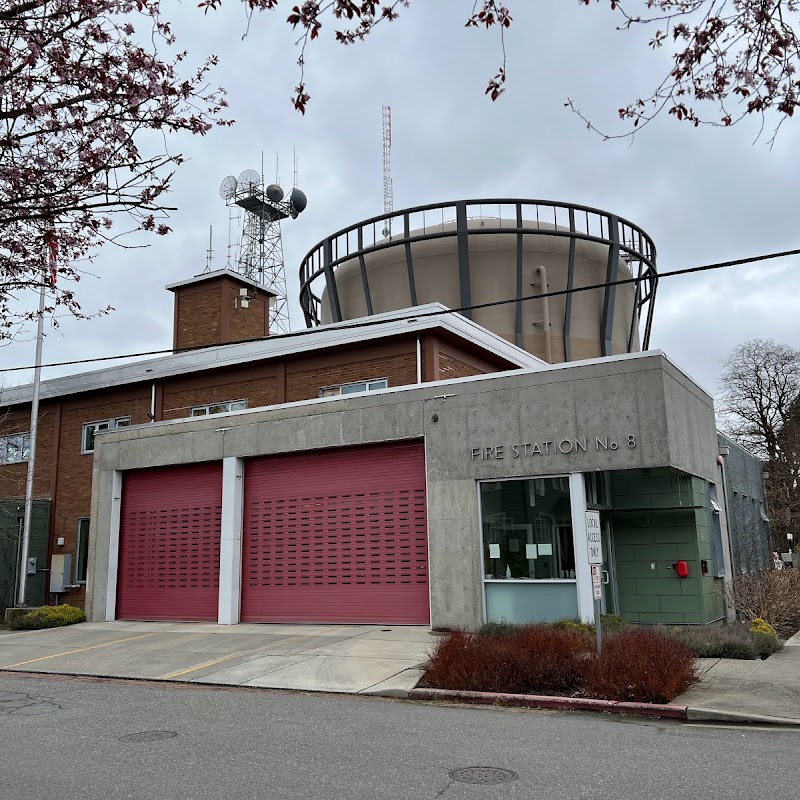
x,y
247,323
13,476
198,318
450,367
178,401
400,370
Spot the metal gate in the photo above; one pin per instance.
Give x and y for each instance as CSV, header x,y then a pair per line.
x,y
337,536
169,543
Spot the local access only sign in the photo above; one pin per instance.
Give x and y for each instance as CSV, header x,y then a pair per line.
x,y
594,537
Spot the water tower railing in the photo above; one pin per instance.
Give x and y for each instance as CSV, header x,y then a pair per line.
x,y
458,219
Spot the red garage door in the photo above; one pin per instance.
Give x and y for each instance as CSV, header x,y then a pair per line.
x,y
337,536
169,543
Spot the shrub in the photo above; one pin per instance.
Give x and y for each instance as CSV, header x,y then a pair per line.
x,y
499,629
534,659
572,625
731,641
610,623
48,617
640,665
762,626
772,595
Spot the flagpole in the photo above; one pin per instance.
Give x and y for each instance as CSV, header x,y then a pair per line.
x,y
37,372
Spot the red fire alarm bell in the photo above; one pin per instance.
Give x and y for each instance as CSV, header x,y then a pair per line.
x,y
682,568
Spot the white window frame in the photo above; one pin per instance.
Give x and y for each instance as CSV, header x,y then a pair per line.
x,y
79,537
369,385
24,447
223,408
110,425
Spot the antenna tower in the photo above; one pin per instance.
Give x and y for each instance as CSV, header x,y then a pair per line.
x,y
260,256
388,193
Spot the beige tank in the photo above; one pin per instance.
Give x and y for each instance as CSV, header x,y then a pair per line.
x,y
493,276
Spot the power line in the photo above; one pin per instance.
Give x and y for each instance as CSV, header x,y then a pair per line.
x,y
365,323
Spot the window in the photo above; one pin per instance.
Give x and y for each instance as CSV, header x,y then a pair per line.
x,y
91,428
82,550
527,530
15,448
218,408
352,388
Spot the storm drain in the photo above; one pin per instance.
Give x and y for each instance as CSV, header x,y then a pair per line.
x,y
483,775
148,736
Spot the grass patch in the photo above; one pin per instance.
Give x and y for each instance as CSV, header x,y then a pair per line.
x,y
636,664
48,617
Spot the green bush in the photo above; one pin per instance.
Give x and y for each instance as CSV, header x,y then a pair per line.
x,y
611,623
572,625
48,617
759,625
731,641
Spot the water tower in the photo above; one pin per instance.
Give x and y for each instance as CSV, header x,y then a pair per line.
x,y
473,252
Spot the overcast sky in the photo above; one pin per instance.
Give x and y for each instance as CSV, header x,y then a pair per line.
x,y
704,195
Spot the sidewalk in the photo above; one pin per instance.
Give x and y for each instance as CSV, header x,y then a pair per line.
x,y
748,691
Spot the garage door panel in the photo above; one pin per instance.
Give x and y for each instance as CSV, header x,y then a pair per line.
x,y
337,536
170,544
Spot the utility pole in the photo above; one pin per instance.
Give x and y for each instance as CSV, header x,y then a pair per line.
x,y
37,373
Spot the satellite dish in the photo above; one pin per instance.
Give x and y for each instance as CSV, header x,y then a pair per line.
x,y
298,200
274,193
248,179
227,189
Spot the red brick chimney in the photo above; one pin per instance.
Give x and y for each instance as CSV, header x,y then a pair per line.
x,y
219,308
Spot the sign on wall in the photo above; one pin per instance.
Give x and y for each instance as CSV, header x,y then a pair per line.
x,y
594,537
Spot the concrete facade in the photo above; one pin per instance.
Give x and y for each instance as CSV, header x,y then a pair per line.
x,y
631,412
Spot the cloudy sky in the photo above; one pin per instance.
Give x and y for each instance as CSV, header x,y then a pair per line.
x,y
704,195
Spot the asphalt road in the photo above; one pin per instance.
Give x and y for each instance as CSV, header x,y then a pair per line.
x,y
65,737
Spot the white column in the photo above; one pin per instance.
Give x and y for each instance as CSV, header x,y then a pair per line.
x,y
113,545
583,573
230,552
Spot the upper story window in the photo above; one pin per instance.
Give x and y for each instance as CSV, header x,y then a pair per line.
x,y
352,388
91,428
15,448
218,408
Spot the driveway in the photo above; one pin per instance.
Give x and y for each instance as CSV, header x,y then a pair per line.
x,y
368,659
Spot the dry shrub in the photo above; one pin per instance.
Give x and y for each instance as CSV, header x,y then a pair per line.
x,y
533,659
772,595
641,666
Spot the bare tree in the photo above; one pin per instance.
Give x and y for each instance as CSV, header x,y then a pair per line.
x,y
760,407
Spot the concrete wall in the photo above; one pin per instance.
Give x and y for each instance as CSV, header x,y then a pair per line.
x,y
567,419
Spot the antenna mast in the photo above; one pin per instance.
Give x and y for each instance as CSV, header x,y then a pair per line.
x,y
260,256
388,198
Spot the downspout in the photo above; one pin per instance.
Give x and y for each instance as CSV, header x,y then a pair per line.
x,y
419,359
548,345
152,414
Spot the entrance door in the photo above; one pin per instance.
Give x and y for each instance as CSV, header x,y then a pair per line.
x,y
337,536
610,600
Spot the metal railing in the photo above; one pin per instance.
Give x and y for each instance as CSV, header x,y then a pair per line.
x,y
517,217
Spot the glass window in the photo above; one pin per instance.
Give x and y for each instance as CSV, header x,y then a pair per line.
x,y
82,550
527,529
91,428
218,408
353,388
15,448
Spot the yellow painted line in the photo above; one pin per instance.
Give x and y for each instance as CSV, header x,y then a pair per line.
x,y
79,650
237,655
200,666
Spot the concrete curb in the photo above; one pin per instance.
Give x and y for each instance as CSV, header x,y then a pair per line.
x,y
715,715
544,701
